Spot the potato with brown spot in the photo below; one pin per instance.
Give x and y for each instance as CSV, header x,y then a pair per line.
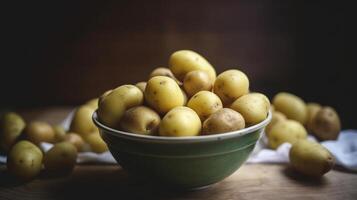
x,y
326,125
196,81
163,71
140,120
205,103
224,120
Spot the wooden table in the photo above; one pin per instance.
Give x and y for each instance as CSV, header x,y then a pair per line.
x,y
251,181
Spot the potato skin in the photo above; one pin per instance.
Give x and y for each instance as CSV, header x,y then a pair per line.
x,y
292,106
311,109
162,93
179,122
38,131
60,133
230,85
76,140
61,158
141,120
205,103
310,158
11,127
93,103
196,81
163,71
276,117
326,124
141,86
113,105
82,121
183,61
224,120
253,107
96,143
286,131
24,160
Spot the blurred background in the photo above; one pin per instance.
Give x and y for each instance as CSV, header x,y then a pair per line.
x,y
66,52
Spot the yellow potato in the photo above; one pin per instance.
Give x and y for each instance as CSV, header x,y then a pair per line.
x,y
11,127
292,106
141,120
141,86
230,85
96,143
253,107
196,81
82,121
265,98
276,117
60,133
310,158
162,93
312,109
38,131
163,71
113,105
61,158
326,125
100,99
183,61
76,140
180,121
205,103
185,98
24,160
224,120
286,131
93,103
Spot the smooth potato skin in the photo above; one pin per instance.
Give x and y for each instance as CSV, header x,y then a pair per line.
x,y
163,71
292,106
60,133
230,85
76,140
196,81
141,86
253,107
61,158
163,94
82,121
312,109
326,125
224,120
38,131
184,61
24,160
276,117
310,158
179,122
11,127
93,103
205,103
286,131
96,143
140,120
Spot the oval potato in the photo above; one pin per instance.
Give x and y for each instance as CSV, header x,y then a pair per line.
x,y
82,121
38,131
292,106
205,103
11,127
196,81
224,120
286,131
61,158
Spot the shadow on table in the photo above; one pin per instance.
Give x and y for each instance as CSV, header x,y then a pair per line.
x,y
303,179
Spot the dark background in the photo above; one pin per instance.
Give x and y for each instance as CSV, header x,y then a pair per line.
x,y
64,53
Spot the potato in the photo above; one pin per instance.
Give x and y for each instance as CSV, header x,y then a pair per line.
x,y
11,127
61,158
230,85
312,109
76,140
38,131
196,81
224,120
326,124
163,71
184,61
100,99
96,143
205,103
24,160
60,133
286,131
141,120
141,86
162,93
310,158
185,98
82,121
93,103
292,106
265,98
276,117
180,121
253,107
113,105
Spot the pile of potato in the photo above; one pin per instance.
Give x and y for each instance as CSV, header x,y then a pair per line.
x,y
185,99
292,120
21,140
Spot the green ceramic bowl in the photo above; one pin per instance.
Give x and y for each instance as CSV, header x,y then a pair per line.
x,y
182,162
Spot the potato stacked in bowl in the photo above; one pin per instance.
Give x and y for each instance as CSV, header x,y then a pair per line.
x,y
185,99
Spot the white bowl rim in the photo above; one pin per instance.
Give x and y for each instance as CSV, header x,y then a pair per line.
x,y
200,138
